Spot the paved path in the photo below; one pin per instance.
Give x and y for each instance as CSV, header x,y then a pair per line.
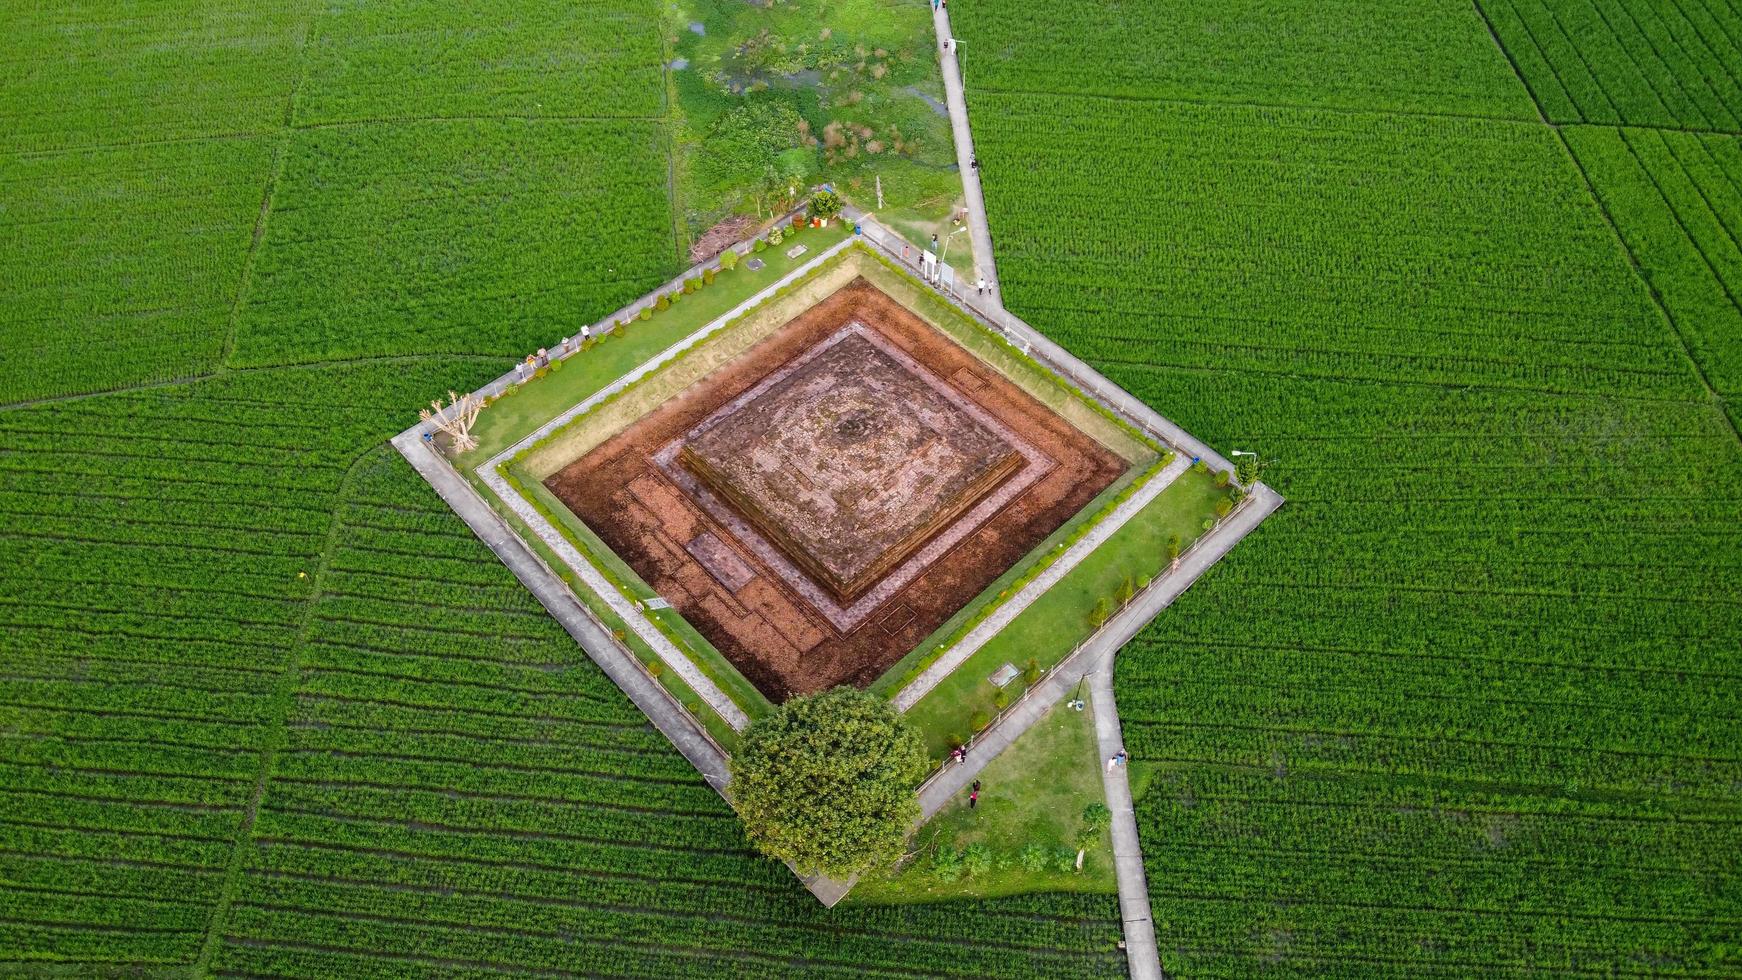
x,y
956,100
993,741
1142,958
627,609
1124,625
992,306
672,720
991,310
554,595
1001,617
671,353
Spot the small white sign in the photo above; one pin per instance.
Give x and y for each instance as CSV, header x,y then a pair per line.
x,y
656,603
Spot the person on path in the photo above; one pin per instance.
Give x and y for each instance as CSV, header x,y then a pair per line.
x,y
982,285
934,242
976,786
586,332
973,798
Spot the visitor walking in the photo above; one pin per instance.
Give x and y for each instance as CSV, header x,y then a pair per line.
x,y
1118,759
982,285
973,798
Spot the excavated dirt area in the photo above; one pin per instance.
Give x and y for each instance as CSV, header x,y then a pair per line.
x,y
850,458
1007,473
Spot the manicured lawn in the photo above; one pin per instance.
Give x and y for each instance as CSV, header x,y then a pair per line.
x,y
1032,794
1047,630
510,419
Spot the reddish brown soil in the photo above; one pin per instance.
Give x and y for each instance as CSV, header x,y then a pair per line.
x,y
774,636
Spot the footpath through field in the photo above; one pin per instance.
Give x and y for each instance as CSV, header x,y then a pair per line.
x,y
1095,661
1142,956
956,100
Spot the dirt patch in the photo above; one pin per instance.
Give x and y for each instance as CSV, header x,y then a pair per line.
x,y
716,239
850,459
777,636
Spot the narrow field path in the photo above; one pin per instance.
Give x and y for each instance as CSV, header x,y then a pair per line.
x,y
1142,957
957,102
1096,661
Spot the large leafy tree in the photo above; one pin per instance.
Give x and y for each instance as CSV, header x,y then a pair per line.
x,y
827,782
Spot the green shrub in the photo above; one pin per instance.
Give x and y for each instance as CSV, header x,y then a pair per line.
x,y
1222,478
1200,467
979,720
946,863
1209,523
616,331
1102,612
759,246
1034,858
656,668
662,303
708,277
1064,860
1127,590
1031,672
729,259
1173,547
977,860
1096,818
1142,582
825,204
776,235
1001,698
1223,507
1247,470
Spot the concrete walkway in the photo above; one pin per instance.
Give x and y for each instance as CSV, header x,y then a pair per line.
x,y
1100,649
671,719
1142,958
629,611
674,722
1001,617
957,102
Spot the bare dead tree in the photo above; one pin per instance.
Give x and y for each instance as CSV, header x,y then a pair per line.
x,y
456,419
